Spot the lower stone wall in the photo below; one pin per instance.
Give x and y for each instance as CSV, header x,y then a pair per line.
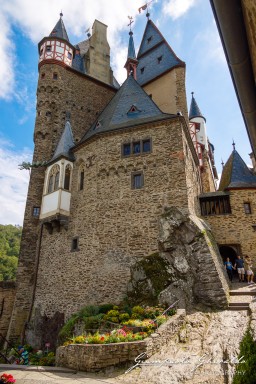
x,y
7,296
95,357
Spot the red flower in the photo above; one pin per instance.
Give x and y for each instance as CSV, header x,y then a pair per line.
x,y
102,338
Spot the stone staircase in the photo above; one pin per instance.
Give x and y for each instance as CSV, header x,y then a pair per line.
x,y
241,295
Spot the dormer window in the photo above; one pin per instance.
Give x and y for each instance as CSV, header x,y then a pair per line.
x,y
53,33
159,59
142,70
149,39
133,110
97,126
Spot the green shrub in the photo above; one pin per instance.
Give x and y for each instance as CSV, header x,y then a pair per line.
x,y
104,308
124,317
245,370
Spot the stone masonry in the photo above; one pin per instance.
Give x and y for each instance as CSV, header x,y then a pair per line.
x,y
237,228
7,296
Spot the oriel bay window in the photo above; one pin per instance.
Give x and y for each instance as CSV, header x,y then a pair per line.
x,y
215,205
54,177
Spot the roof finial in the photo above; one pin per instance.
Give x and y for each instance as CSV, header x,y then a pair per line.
x,y
61,14
234,145
222,163
192,93
130,23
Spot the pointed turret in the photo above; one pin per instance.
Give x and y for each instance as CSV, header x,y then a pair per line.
x,y
196,117
131,62
59,30
194,109
236,174
155,55
56,47
65,143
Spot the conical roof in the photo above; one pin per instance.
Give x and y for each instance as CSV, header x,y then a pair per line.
x,y
155,56
65,143
236,174
131,50
194,109
59,30
129,107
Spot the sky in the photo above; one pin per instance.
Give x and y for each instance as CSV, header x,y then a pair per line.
x,y
188,26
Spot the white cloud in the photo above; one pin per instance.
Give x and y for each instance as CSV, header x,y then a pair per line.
x,y
14,183
7,58
177,8
37,18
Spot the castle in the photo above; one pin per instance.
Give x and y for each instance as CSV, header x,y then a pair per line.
x,y
114,158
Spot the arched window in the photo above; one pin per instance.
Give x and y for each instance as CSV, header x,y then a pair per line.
x,y
67,177
54,178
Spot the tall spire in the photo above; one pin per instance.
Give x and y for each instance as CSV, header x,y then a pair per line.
x,y
131,62
59,30
194,109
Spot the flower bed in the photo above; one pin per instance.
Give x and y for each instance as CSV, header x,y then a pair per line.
x,y
5,379
128,327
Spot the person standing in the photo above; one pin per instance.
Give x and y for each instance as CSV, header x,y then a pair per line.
x,y
229,268
248,268
239,265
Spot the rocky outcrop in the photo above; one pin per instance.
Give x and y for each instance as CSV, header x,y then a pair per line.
x,y
188,266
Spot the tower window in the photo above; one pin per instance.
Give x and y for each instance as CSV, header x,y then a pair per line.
x,y
48,48
137,180
55,76
159,59
36,211
48,113
81,182
43,76
136,147
74,244
146,145
247,208
54,179
69,55
126,149
142,70
67,177
149,39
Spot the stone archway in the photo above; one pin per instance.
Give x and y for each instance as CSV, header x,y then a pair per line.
x,y
228,251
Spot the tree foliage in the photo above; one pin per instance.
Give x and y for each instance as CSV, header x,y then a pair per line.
x,y
10,237
245,370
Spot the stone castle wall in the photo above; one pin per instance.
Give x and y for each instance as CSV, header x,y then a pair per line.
x,y
237,228
84,98
115,224
7,296
169,92
208,184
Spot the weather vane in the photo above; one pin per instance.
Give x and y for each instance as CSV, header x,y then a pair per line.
x,y
131,21
145,7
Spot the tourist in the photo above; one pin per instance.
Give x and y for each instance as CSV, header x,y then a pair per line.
x,y
248,268
229,268
239,265
23,360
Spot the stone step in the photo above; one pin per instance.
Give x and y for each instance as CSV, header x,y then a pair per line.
x,y
238,308
242,293
239,304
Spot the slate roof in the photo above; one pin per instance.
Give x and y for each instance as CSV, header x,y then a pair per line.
x,y
131,50
195,110
155,56
236,174
65,143
130,106
59,30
